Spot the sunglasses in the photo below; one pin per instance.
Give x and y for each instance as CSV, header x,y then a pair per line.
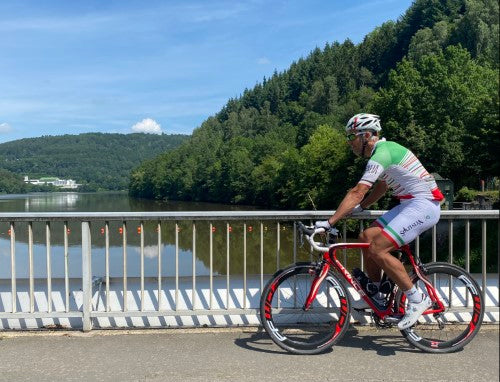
x,y
351,137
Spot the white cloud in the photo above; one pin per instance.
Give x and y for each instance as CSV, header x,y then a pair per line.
x,y
5,128
148,126
263,61
150,251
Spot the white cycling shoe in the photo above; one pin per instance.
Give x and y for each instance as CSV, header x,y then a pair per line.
x,y
413,312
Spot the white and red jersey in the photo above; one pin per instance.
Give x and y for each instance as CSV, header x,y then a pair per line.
x,y
401,170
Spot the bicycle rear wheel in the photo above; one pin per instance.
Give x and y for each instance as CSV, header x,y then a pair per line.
x,y
298,331
454,328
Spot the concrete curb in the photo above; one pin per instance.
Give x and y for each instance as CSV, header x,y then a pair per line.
x,y
490,327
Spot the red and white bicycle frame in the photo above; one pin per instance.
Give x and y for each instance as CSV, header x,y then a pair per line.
x,y
331,261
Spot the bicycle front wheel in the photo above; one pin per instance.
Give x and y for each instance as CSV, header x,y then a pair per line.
x,y
302,331
454,328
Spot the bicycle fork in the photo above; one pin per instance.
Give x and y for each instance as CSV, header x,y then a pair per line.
x,y
315,285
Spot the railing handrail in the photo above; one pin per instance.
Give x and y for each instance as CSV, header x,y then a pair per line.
x,y
207,298
222,215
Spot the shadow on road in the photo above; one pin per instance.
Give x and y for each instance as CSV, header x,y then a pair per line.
x,y
384,343
258,341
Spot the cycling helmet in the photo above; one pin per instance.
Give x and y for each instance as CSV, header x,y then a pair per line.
x,y
362,122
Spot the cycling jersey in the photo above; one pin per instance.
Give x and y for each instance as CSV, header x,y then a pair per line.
x,y
401,170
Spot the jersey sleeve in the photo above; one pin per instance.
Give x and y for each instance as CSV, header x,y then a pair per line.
x,y
372,172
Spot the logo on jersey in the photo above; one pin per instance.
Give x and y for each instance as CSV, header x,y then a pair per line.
x,y
372,168
410,227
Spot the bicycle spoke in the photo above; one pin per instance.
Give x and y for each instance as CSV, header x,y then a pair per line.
x,y
451,329
294,328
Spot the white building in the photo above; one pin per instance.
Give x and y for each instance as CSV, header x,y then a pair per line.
x,y
61,183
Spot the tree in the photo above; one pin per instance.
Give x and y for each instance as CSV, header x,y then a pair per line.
x,y
322,168
429,40
478,30
272,146
438,106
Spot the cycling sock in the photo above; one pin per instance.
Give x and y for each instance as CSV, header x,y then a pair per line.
x,y
414,296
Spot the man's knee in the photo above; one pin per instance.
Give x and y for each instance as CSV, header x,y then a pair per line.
x,y
379,246
363,237
369,234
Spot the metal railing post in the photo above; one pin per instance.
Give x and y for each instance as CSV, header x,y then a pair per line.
x,y
483,259
86,277
31,267
13,267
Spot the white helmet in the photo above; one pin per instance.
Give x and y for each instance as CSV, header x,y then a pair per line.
x,y
362,122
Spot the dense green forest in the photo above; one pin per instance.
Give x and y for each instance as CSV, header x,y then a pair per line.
x,y
95,160
432,76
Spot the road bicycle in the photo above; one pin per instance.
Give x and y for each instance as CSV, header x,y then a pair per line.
x,y
306,307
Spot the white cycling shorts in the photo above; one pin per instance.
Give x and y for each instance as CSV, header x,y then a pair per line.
x,y
402,224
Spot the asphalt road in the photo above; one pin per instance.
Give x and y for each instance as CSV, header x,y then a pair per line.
x,y
235,355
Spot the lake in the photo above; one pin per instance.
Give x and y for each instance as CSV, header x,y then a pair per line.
x,y
121,202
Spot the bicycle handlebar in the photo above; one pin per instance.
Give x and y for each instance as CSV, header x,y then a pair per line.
x,y
309,232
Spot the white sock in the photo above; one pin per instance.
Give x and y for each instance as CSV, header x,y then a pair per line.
x,y
414,296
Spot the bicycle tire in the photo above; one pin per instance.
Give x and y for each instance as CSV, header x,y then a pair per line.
x,y
295,330
451,335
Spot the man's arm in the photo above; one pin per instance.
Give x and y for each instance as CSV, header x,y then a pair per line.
x,y
378,191
352,198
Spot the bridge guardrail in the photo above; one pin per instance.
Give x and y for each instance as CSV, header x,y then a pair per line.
x,y
83,301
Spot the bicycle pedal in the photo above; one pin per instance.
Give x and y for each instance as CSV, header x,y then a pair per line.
x,y
392,320
363,311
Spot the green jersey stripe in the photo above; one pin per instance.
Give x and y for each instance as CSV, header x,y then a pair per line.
x,y
383,221
395,234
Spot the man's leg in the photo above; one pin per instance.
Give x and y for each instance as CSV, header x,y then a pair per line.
x,y
378,252
373,270
377,256
391,236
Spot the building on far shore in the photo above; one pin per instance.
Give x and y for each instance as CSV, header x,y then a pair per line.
x,y
61,183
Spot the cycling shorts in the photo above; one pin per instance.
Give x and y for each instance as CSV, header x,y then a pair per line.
x,y
402,224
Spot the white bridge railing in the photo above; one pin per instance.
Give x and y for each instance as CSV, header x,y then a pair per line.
x,y
85,270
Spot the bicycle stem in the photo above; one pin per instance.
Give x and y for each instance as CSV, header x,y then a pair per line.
x,y
315,285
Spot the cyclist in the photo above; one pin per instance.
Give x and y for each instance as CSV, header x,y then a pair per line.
x,y
390,165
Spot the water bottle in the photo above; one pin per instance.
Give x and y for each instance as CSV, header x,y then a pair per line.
x,y
370,288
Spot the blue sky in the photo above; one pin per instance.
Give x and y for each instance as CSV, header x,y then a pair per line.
x,y
70,67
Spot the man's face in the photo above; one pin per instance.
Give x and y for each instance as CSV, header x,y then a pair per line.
x,y
356,142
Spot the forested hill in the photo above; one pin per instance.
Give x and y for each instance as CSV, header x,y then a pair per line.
x,y
432,76
98,161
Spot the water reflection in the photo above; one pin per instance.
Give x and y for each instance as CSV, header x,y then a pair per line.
x,y
47,202
274,256
168,241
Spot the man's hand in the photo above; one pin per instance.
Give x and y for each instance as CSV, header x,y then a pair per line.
x,y
322,224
